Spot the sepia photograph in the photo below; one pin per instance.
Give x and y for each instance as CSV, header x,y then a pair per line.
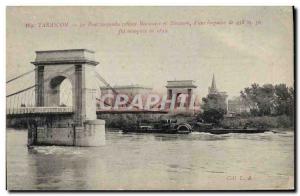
x,y
150,98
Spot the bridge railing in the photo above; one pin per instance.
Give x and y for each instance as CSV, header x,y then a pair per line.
x,y
39,110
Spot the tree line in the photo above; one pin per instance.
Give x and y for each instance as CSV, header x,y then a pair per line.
x,y
265,100
269,100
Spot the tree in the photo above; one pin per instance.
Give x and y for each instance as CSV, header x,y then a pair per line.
x,y
282,99
214,107
266,102
291,103
212,115
269,99
214,101
249,97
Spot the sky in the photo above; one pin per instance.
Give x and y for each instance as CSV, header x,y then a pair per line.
x,y
238,54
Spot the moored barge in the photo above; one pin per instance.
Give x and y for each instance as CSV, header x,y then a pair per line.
x,y
163,126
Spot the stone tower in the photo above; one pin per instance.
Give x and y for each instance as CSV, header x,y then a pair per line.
x,y
81,127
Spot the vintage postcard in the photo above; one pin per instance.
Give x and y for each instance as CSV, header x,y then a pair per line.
x,y
150,98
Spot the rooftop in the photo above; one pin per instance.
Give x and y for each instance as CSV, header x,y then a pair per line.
x,y
69,56
181,83
130,86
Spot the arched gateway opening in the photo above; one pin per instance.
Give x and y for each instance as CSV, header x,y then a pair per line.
x,y
62,88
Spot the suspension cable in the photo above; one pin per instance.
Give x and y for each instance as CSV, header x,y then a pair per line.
x,y
30,87
106,83
20,76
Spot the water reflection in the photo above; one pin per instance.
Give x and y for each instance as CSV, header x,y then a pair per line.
x,y
53,167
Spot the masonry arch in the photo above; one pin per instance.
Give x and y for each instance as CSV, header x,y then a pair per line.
x,y
60,91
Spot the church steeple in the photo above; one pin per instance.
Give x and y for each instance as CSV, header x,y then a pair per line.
x,y
213,83
213,88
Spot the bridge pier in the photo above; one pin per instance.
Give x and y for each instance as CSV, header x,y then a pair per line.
x,y
92,133
79,127
89,134
53,129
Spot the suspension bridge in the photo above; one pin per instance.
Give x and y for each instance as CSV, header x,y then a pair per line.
x,y
23,100
37,96
27,94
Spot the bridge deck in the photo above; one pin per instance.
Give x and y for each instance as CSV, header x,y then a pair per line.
x,y
67,110
99,111
39,110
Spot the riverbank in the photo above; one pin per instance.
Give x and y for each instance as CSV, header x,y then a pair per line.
x,y
123,120
282,121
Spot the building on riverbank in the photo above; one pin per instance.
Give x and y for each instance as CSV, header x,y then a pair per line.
x,y
236,106
130,90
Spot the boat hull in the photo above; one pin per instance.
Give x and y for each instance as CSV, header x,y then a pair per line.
x,y
162,131
226,131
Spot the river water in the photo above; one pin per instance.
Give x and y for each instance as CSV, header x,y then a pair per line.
x,y
155,161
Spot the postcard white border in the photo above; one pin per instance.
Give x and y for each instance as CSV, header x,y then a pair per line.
x,y
5,3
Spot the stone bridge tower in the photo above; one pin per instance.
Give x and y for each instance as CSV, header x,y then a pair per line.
x,y
81,128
